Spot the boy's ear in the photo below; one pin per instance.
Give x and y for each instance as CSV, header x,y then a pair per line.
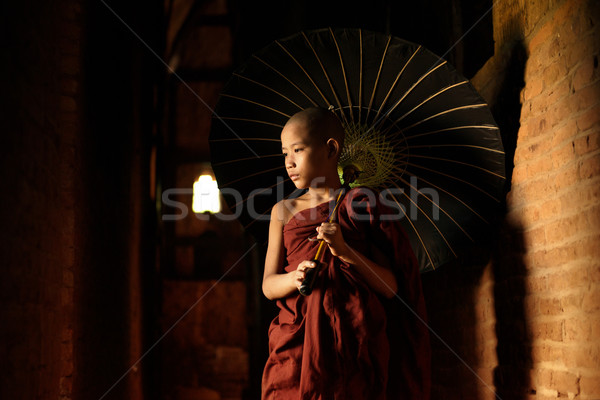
x,y
333,147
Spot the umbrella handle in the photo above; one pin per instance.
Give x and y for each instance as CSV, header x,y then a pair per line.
x,y
311,274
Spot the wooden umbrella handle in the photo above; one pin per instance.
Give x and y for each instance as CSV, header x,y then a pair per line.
x,y
311,273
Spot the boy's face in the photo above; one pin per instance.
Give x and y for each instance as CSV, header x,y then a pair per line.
x,y
305,155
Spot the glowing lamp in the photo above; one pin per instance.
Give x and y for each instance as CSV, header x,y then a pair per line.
x,y
206,195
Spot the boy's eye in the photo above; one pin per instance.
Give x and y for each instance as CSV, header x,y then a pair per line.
x,y
285,154
298,150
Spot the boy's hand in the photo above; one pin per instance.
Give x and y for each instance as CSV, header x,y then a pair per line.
x,y
300,272
331,233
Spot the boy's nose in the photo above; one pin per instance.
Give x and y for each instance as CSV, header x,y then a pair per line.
x,y
289,162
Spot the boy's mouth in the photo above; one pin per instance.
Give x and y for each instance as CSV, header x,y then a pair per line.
x,y
294,176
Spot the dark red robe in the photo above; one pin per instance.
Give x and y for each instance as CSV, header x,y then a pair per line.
x,y
344,341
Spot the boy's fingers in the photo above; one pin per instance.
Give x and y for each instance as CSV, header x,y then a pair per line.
x,y
306,264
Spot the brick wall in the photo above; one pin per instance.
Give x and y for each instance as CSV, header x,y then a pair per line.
x,y
73,168
533,311
40,121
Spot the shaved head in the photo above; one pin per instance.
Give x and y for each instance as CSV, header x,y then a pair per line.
x,y
320,123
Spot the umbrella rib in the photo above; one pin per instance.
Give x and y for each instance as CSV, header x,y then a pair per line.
x,y
377,77
255,103
417,83
437,205
457,145
287,79
268,88
252,139
429,98
401,207
459,162
360,74
455,178
303,70
490,127
480,105
326,75
453,196
252,120
251,175
246,159
394,85
427,216
344,74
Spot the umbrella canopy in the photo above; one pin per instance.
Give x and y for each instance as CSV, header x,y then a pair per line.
x,y
416,129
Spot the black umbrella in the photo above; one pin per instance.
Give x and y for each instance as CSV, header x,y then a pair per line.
x,y
416,129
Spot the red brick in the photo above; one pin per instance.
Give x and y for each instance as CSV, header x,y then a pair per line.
x,y
545,352
577,329
529,215
554,74
567,177
594,271
532,89
559,112
70,65
583,48
535,237
571,302
590,386
69,86
585,98
548,330
538,189
589,167
536,283
585,74
591,300
587,143
565,382
66,386
67,103
588,119
550,209
541,377
564,132
567,280
585,194
519,173
595,327
550,306
531,306
542,36
533,127
562,155
589,247
566,228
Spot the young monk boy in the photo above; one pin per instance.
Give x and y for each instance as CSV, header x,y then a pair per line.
x,y
361,333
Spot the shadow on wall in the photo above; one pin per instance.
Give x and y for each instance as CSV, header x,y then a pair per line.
x,y
456,312
465,357
511,376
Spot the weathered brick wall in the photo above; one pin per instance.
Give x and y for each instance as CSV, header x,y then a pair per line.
x,y
527,323
74,174
40,121
555,198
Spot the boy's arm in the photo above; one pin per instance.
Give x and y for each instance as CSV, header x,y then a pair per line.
x,y
379,278
278,284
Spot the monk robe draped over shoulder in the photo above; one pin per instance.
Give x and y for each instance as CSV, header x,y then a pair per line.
x,y
344,341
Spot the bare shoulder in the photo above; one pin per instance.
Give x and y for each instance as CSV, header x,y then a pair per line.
x,y
285,209
280,212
